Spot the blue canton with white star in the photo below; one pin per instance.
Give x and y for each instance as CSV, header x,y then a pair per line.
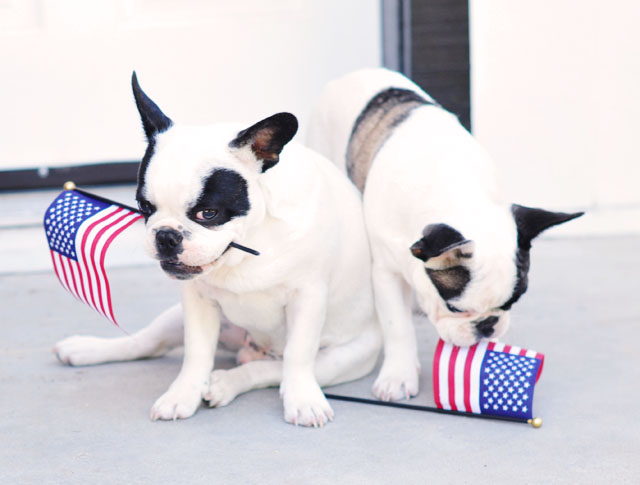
x,y
506,384
63,218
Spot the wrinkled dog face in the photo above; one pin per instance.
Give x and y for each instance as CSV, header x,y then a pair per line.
x,y
477,286
197,186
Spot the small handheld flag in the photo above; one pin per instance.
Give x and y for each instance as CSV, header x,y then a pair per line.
x,y
80,228
486,378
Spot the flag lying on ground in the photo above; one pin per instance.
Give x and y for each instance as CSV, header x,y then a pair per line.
x,y
486,378
80,227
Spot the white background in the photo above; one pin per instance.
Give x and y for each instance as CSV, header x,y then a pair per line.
x,y
555,100
554,83
65,67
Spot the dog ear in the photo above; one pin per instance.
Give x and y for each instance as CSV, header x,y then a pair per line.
x,y
531,222
154,121
441,246
267,138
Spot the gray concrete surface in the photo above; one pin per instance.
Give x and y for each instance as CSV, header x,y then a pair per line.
x,y
90,425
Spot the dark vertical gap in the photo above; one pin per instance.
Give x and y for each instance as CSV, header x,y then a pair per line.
x,y
439,57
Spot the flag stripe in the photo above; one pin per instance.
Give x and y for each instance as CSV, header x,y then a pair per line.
x,y
452,388
444,377
467,378
126,223
64,274
436,373
67,262
461,359
83,234
55,268
84,292
540,357
100,276
474,387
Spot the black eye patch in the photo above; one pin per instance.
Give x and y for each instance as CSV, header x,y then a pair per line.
x,y
449,282
146,208
224,193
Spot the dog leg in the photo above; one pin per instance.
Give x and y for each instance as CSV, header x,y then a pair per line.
x,y
201,330
333,365
398,378
304,402
161,335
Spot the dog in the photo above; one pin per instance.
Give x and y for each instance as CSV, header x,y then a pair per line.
x,y
437,228
306,300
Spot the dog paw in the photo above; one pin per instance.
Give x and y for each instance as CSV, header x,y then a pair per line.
x,y
222,389
305,405
81,350
176,403
395,383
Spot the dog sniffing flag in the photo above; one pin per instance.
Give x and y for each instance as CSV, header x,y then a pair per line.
x,y
80,228
486,378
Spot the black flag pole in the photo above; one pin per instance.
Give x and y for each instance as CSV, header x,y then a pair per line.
x,y
535,422
69,185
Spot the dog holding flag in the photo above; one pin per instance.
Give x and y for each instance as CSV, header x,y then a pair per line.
x,y
306,299
436,225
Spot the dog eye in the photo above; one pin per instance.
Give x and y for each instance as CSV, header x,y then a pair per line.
x,y
145,207
453,309
206,214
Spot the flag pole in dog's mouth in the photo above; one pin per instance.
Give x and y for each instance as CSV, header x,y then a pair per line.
x,y
70,185
534,422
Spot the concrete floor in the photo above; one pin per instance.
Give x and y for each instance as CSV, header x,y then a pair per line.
x,y
90,425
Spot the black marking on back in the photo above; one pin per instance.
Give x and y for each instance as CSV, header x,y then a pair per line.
x,y
374,125
449,282
224,191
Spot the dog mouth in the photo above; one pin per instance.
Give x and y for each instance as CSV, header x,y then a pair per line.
x,y
179,270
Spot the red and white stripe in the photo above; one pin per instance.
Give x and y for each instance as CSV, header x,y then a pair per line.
x,y
456,373
86,278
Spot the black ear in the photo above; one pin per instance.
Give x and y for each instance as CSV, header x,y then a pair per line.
x,y
531,222
268,137
442,246
154,121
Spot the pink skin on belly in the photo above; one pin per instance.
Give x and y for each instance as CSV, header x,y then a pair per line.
x,y
238,339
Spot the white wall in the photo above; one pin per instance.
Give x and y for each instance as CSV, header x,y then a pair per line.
x,y
65,67
556,101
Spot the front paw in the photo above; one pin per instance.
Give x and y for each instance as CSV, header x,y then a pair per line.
x,y
305,404
222,389
82,350
177,403
397,381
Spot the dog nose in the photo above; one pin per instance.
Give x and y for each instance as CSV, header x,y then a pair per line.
x,y
168,242
485,328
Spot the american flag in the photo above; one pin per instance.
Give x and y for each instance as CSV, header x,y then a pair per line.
x,y
80,228
486,378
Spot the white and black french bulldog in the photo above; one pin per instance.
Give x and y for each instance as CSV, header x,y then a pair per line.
x,y
306,301
436,225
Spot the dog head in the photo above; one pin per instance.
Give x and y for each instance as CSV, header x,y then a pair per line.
x,y
477,283
199,188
